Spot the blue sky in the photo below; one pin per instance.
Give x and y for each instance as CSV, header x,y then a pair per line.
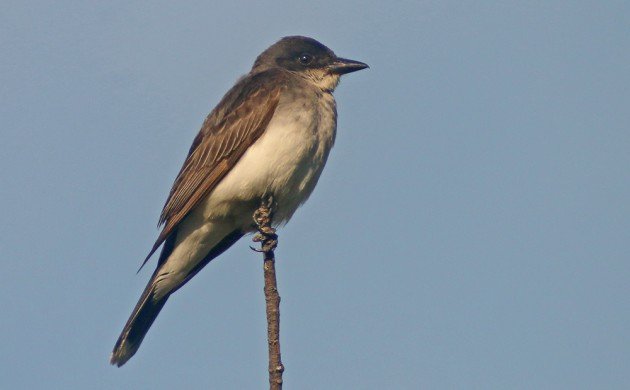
x,y
471,228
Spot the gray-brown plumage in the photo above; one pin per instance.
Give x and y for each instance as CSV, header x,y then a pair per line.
x,y
269,135
237,122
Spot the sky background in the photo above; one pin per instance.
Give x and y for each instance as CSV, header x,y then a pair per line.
x,y
470,231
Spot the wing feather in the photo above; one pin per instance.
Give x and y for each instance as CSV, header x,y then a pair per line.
x,y
238,121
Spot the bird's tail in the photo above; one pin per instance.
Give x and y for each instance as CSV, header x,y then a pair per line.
x,y
138,324
150,303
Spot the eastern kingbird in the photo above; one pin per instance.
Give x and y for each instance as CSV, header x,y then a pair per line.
x,y
270,135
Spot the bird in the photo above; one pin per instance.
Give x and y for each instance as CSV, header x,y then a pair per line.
x,y
269,136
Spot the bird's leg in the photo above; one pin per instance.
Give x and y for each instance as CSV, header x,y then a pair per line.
x,y
262,219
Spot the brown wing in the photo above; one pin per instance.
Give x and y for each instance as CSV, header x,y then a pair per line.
x,y
233,126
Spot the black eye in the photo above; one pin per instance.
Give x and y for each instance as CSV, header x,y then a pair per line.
x,y
305,58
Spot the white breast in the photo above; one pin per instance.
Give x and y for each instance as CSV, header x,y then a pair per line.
x,y
286,161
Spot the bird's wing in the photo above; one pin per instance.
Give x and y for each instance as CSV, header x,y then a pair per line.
x,y
237,122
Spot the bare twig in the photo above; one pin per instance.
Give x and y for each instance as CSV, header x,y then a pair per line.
x,y
268,241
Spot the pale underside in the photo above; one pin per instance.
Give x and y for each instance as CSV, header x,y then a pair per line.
x,y
286,162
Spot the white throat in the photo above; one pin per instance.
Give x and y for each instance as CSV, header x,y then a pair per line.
x,y
323,80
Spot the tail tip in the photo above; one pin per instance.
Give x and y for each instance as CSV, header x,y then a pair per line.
x,y
119,357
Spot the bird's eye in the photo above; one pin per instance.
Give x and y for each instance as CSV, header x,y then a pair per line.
x,y
305,58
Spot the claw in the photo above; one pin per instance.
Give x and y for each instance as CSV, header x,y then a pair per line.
x,y
256,249
262,221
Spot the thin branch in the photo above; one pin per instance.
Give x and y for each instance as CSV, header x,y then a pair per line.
x,y
268,241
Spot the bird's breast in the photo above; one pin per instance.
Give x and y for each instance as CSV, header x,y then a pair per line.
x,y
286,161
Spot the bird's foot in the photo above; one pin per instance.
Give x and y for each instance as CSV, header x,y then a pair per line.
x,y
266,234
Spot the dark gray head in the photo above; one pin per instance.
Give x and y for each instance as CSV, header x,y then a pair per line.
x,y
309,58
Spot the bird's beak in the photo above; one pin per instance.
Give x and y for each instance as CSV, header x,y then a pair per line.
x,y
343,66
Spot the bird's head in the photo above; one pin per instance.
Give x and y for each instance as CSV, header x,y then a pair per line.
x,y
308,58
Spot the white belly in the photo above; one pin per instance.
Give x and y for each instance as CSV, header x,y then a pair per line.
x,y
285,162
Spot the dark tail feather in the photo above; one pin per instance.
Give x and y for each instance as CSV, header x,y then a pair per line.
x,y
137,326
143,314
148,307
